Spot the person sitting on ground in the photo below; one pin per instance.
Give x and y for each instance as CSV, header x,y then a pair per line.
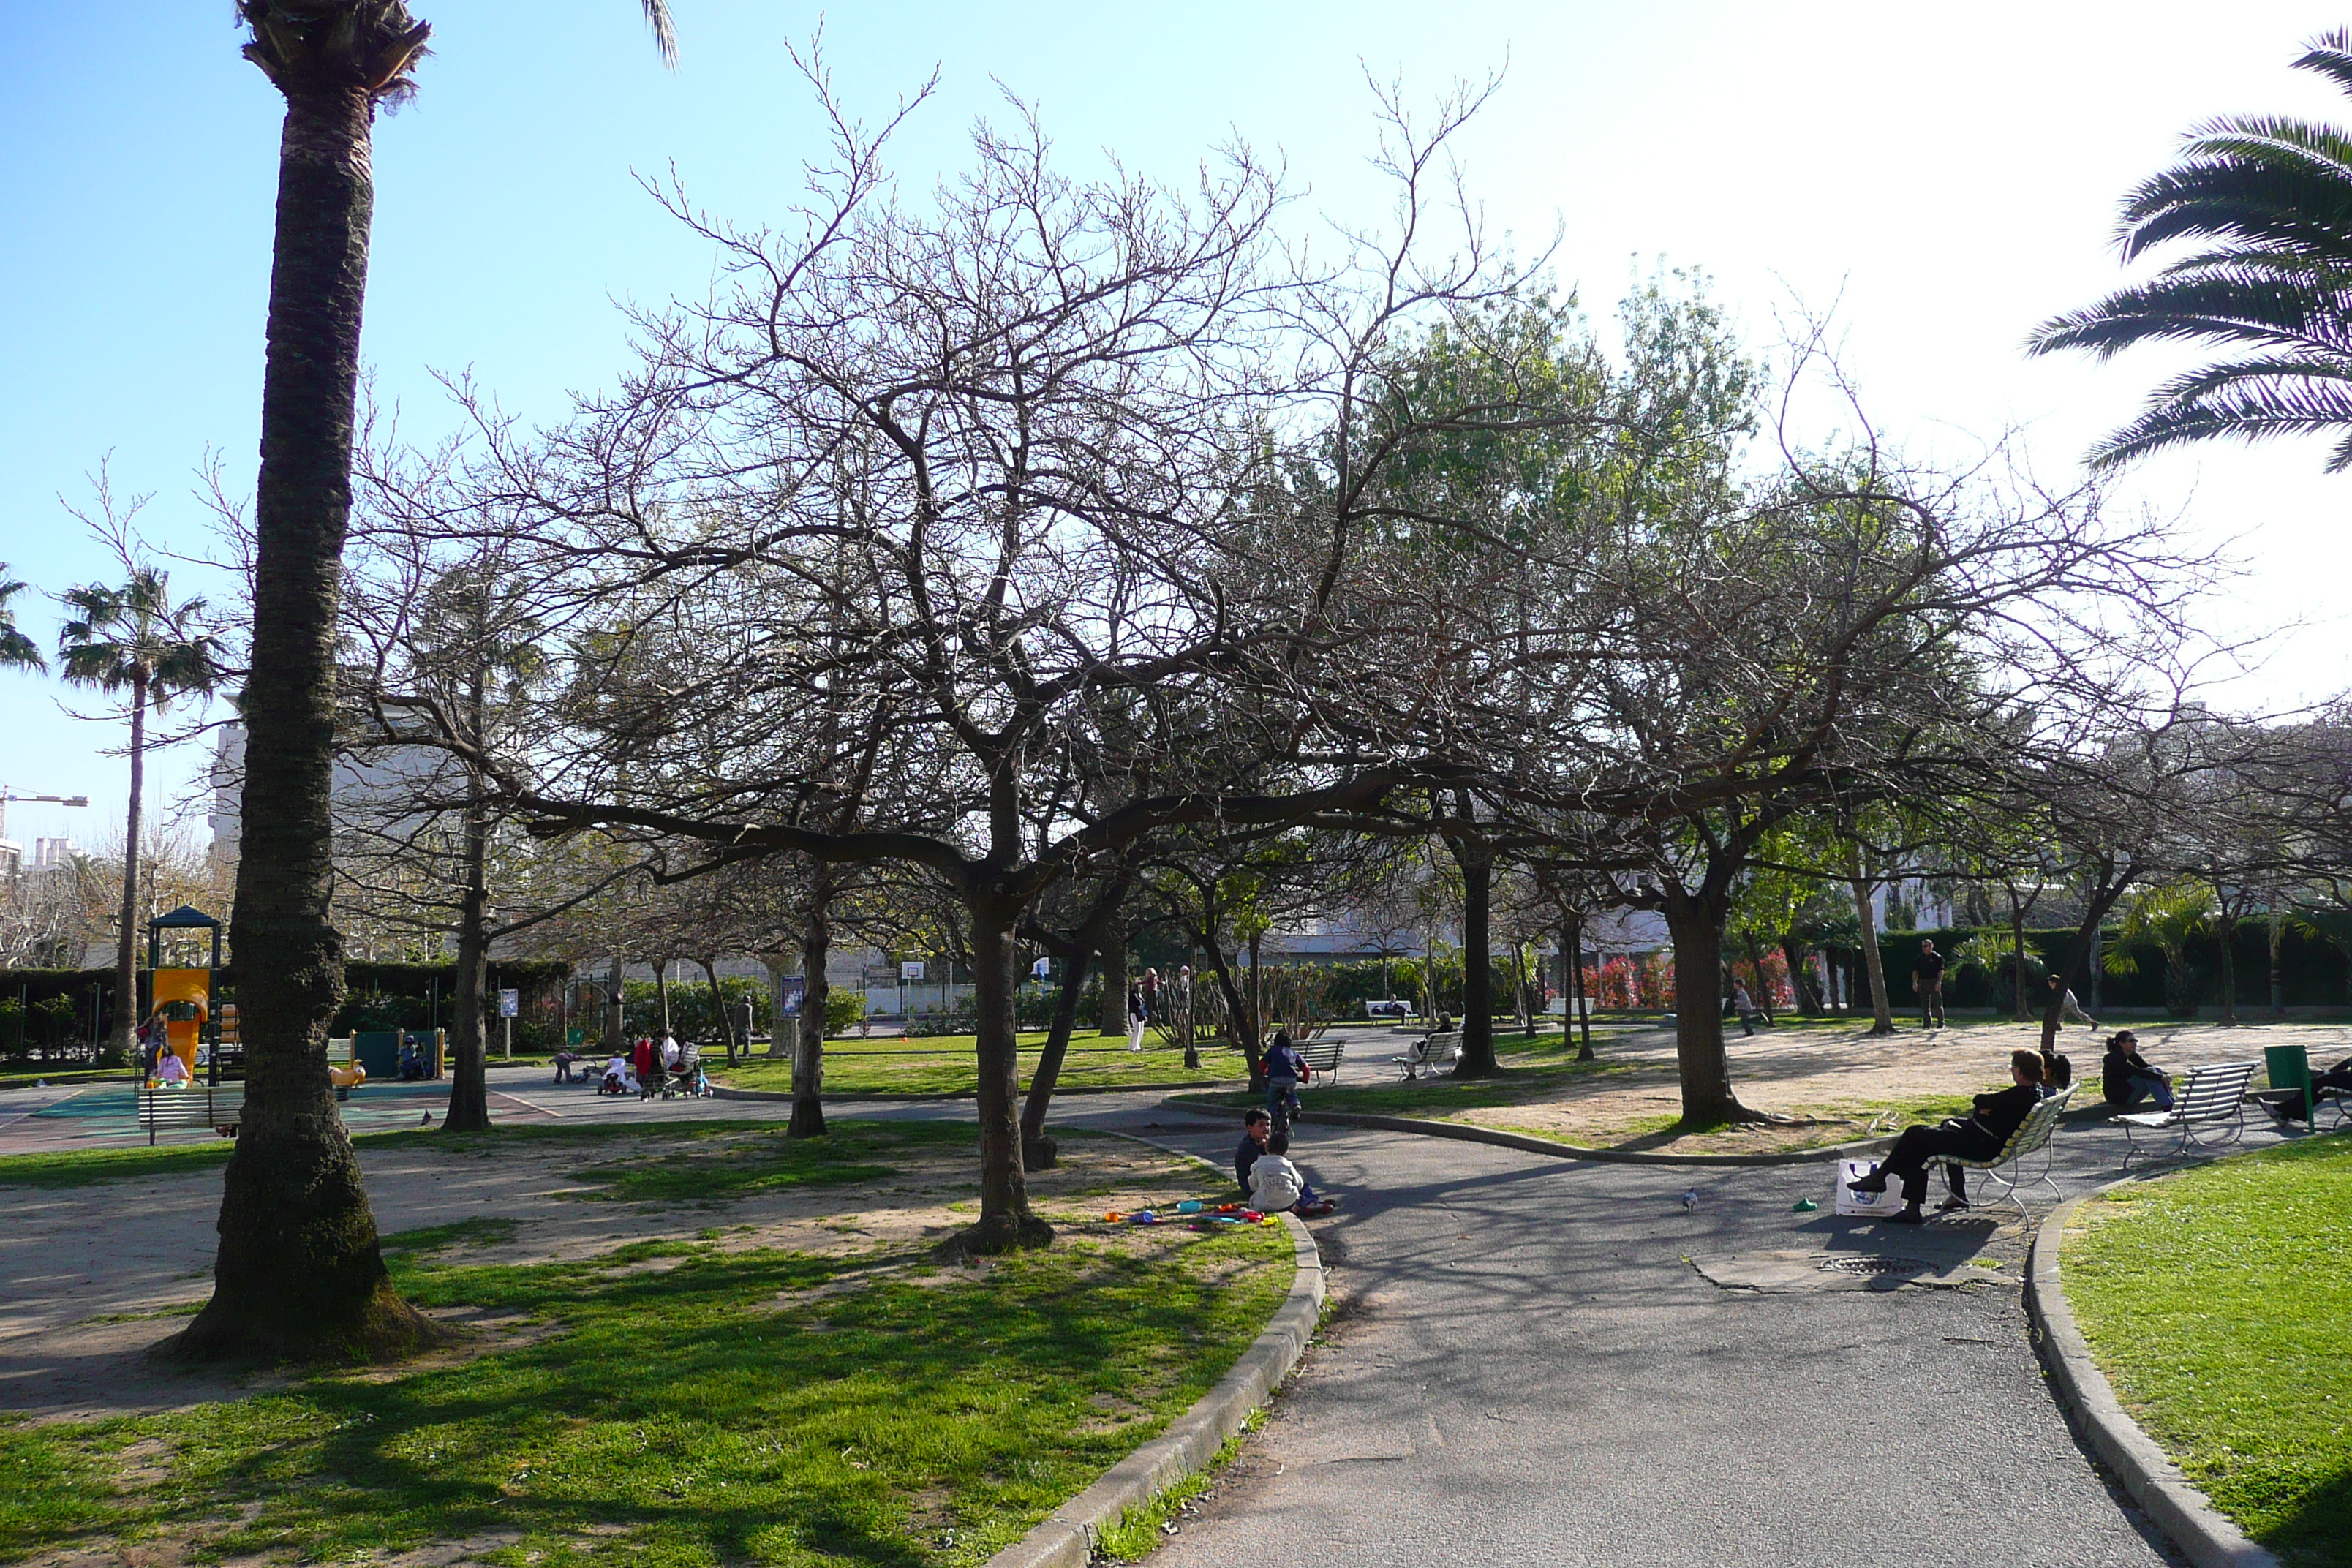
x,y
412,1064
1979,1137
1257,1131
1276,1185
1286,1070
2125,1078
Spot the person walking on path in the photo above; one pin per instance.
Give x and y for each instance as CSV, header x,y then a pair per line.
x,y
1745,1005
1979,1137
1927,980
2125,1078
1135,1015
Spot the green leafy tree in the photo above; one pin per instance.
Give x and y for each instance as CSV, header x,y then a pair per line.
x,y
2167,915
134,643
2270,198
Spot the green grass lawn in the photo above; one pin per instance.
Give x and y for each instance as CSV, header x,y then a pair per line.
x,y
2216,1301
675,1402
26,1077
943,1065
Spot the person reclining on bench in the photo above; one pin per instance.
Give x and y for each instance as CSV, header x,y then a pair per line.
x,y
2125,1078
2288,1104
1979,1137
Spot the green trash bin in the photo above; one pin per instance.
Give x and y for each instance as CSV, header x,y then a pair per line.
x,y
2289,1067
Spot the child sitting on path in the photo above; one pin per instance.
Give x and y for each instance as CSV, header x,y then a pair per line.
x,y
1276,1183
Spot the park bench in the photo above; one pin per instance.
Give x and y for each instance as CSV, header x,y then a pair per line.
x,y
2032,1137
1437,1052
1322,1056
1392,1009
218,1106
2215,1098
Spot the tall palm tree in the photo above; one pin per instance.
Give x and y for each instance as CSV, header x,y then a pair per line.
x,y
135,641
17,649
2271,199
299,1275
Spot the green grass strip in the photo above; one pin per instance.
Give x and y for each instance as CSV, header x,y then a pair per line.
x,y
2216,1302
682,1404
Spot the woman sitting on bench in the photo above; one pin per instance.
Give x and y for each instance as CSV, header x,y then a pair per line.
x,y
1981,1137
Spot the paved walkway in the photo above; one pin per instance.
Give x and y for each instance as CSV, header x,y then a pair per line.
x,y
1550,1361
1534,1368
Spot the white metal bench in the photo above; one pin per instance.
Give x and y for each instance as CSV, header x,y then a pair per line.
x,y
2214,1099
1436,1052
2032,1136
219,1107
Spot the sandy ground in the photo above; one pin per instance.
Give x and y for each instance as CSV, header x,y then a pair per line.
x,y
1851,1081
92,1276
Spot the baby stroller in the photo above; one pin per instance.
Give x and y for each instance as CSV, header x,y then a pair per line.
x,y
654,1081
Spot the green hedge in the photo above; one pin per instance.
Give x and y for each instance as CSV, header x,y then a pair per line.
x,y
2313,971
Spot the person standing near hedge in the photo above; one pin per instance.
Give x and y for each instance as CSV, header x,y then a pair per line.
x,y
1927,980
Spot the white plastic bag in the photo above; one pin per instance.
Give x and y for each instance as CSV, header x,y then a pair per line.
x,y
1865,1205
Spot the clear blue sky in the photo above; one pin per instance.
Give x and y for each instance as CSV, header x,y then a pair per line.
x,y
1946,175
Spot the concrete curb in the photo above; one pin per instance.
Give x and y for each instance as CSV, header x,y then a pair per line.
x,y
2154,1481
1470,1133
1066,1537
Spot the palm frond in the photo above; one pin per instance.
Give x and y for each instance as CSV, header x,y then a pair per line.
x,y
665,34
2246,401
2329,55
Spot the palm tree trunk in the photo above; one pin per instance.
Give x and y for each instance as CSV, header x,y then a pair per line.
x,y
127,1010
299,1275
2278,970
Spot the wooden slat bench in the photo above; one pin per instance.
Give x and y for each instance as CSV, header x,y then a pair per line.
x,y
1322,1056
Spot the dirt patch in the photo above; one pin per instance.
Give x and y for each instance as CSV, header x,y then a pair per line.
x,y
1845,1084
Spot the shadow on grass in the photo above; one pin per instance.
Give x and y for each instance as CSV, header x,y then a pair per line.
x,y
685,1404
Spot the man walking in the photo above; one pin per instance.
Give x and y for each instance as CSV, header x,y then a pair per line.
x,y
1927,980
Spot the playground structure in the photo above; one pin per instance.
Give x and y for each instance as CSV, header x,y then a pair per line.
x,y
183,998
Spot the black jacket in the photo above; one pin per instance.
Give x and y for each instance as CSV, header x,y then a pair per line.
x,y
1243,1158
2003,1113
2116,1071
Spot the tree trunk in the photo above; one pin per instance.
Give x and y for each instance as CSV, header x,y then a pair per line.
x,y
2086,942
661,993
2278,970
469,1091
1114,978
1809,1001
298,1276
1037,1151
126,1020
1005,1222
1579,1014
1873,963
808,1059
616,1013
2016,956
1762,994
1245,1036
778,1045
1478,969
2226,935
710,967
1695,924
